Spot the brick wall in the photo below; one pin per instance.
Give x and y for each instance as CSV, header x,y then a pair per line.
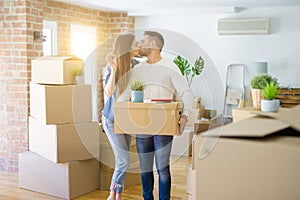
x,y
18,20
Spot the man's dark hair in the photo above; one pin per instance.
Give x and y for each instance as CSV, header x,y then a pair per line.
x,y
157,37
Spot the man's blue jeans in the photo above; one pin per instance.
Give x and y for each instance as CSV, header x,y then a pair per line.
x,y
157,146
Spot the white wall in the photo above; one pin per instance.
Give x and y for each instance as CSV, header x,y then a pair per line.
x,y
280,48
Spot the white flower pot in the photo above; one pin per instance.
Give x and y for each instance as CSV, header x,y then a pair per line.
x,y
79,80
270,105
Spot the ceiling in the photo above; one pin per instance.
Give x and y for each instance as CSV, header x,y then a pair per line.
x,y
152,7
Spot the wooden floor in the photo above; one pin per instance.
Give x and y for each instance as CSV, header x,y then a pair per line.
x,y
9,189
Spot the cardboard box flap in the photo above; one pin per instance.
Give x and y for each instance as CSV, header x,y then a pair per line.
x,y
252,127
131,105
58,58
290,116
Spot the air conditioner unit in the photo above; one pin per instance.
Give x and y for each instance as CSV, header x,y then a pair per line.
x,y
243,26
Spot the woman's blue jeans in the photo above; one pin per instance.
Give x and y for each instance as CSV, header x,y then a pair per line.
x,y
121,145
157,146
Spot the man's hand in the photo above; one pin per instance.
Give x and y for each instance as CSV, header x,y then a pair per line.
x,y
182,122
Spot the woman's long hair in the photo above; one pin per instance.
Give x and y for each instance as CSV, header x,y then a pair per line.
x,y
122,51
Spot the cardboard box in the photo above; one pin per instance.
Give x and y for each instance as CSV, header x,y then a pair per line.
x,y
54,69
182,144
147,118
61,104
65,180
190,180
63,143
257,158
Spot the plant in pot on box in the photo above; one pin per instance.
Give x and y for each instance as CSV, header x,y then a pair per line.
x,y
270,104
79,78
137,93
257,84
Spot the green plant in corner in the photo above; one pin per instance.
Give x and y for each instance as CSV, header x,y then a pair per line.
x,y
271,90
78,71
188,70
137,85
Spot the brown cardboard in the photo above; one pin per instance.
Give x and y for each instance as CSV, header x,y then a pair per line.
x,y
65,180
194,116
147,118
257,158
54,69
61,104
63,143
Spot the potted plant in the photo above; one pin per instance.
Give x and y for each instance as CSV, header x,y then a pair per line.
x,y
188,70
270,104
257,84
79,78
137,93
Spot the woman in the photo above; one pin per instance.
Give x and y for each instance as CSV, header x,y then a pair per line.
x,y
119,62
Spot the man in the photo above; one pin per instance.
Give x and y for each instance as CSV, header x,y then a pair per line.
x,y
162,79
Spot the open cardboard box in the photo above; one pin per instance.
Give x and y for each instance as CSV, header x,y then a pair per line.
x,y
147,118
54,69
257,158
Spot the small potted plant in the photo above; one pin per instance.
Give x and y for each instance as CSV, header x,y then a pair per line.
x,y
137,93
79,78
270,104
257,84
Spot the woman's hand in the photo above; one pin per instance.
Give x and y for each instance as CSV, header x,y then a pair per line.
x,y
112,61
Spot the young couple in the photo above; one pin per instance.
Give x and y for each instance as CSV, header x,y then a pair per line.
x,y
163,80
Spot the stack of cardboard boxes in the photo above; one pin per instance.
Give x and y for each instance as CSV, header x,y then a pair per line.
x,y
63,140
255,158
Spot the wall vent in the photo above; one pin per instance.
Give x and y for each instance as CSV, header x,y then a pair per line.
x,y
243,26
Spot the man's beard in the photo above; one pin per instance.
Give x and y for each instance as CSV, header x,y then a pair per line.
x,y
144,52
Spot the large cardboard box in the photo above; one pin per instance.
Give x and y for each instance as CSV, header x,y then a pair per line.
x,y
63,143
54,69
182,144
257,158
65,180
147,118
60,104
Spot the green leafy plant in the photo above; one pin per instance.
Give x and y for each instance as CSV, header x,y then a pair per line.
x,y
188,70
260,81
138,85
271,90
78,71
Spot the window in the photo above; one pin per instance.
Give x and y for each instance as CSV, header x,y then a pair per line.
x,y
50,43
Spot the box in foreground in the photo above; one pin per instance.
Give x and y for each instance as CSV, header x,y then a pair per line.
x,y
257,158
147,118
65,180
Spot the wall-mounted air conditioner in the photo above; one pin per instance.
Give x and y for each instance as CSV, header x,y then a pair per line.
x,y
243,26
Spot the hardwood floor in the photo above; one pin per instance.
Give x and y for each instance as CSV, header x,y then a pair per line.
x,y
9,189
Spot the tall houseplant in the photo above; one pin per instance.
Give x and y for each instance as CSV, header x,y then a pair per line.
x,y
137,93
257,84
188,70
270,91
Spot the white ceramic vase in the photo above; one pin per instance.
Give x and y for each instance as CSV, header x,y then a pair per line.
x,y
270,105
